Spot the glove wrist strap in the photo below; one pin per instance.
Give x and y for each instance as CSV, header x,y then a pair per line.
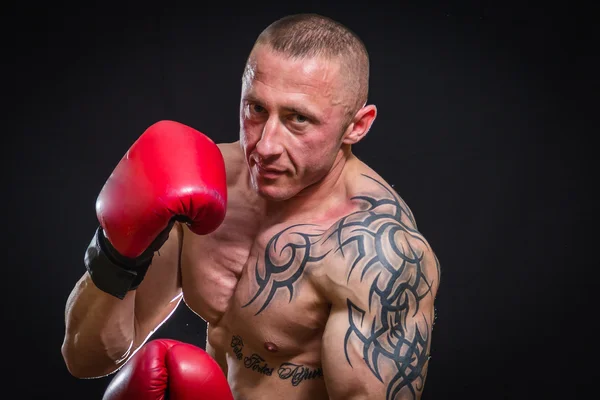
x,y
111,272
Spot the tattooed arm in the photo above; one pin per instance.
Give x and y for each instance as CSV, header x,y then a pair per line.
x,y
377,340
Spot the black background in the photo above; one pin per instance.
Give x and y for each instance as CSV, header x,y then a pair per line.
x,y
483,128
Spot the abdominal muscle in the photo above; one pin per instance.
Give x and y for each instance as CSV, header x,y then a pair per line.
x,y
275,354
260,373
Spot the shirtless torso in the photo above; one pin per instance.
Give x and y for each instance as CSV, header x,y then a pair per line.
x,y
317,284
269,287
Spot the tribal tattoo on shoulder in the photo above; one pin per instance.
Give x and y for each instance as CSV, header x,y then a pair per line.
x,y
405,270
382,239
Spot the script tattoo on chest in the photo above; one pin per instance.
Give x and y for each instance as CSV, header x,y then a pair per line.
x,y
295,373
253,361
398,333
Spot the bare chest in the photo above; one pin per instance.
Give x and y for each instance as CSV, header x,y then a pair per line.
x,y
211,265
277,308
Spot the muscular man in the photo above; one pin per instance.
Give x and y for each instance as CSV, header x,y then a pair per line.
x,y
313,278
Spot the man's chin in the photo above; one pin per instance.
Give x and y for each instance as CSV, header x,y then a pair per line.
x,y
273,193
270,190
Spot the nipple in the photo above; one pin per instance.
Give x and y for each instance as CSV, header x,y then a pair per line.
x,y
270,347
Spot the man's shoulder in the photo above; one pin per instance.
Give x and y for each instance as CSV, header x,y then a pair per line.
x,y
380,216
231,151
380,235
373,195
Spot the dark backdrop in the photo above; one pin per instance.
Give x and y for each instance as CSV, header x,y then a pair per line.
x,y
482,129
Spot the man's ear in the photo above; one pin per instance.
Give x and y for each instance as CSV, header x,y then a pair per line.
x,y
360,125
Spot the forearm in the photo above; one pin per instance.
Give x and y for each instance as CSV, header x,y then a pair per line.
x,y
100,330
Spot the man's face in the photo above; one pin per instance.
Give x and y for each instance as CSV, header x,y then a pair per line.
x,y
292,116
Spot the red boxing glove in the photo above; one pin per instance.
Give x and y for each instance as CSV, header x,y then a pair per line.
x,y
169,369
171,171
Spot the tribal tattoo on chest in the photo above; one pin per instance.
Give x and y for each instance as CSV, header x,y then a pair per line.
x,y
382,239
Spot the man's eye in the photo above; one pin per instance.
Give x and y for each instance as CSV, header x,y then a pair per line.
x,y
257,108
300,119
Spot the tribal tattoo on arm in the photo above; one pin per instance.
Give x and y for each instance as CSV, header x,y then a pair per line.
x,y
394,324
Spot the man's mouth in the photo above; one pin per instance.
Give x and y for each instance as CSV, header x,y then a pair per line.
x,y
269,172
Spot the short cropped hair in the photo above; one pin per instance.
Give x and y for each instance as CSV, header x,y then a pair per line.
x,y
312,35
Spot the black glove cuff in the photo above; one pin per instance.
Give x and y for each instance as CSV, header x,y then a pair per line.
x,y
111,272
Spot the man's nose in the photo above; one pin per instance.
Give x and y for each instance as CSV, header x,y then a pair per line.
x,y
269,145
